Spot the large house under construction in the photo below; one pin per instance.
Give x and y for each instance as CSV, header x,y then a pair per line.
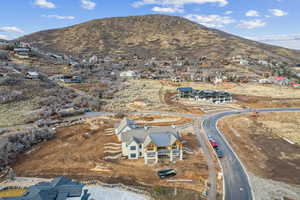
x,y
150,143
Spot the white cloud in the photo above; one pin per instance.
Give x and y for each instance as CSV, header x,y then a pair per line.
x,y
59,17
4,37
44,4
278,37
277,12
212,21
288,41
167,10
88,4
252,24
229,12
11,29
252,13
178,3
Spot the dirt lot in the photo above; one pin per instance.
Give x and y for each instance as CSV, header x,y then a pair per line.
x,y
269,145
157,120
79,152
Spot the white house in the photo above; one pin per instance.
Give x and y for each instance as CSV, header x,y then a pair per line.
x,y
128,74
150,143
32,75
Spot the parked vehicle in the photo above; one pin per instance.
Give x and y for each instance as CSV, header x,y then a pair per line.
x,y
213,143
219,152
166,173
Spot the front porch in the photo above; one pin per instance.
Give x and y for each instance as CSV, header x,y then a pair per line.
x,y
153,155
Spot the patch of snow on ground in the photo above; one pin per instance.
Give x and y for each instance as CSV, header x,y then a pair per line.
x,y
103,193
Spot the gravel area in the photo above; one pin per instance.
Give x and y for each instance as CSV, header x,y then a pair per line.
x,y
266,189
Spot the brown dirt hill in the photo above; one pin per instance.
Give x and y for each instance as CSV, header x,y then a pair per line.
x,y
152,35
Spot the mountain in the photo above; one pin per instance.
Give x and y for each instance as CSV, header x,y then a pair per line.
x,y
152,35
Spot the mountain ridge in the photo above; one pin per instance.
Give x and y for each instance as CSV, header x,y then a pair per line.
x,y
153,35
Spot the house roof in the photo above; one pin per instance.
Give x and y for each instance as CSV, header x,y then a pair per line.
x,y
140,135
33,73
58,189
21,49
125,123
161,139
279,78
187,89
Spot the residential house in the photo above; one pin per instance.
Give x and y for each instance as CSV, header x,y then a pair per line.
x,y
185,92
22,52
71,79
32,75
59,189
213,96
263,62
150,143
244,62
93,59
280,80
128,74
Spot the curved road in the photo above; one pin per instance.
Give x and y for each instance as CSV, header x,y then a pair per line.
x,y
237,186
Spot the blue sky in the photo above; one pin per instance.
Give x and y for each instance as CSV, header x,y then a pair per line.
x,y
271,21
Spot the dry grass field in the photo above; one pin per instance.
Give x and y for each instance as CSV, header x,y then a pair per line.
x,y
269,145
15,113
12,192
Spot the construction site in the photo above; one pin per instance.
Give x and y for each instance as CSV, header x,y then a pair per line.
x,y
102,159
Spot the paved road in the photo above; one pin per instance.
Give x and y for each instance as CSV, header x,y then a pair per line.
x,y
237,185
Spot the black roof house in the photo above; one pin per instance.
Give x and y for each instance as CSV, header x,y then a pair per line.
x,y
59,189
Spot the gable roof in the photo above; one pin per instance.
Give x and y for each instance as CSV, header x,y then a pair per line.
x,y
125,123
161,139
140,135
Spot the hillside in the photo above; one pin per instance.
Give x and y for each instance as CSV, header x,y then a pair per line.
x,y
152,35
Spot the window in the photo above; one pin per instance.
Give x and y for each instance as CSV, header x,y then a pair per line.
x,y
140,146
140,154
133,155
132,148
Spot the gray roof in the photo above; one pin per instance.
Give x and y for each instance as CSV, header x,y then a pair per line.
x,y
125,123
58,189
159,135
162,139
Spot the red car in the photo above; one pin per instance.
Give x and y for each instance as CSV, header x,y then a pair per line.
x,y
213,143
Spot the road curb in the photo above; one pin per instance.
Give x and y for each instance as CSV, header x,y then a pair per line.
x,y
223,180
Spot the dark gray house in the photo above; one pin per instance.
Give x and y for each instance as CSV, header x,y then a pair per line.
x,y
59,189
185,92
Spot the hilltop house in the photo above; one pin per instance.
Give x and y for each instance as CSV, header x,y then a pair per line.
x,y
150,143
